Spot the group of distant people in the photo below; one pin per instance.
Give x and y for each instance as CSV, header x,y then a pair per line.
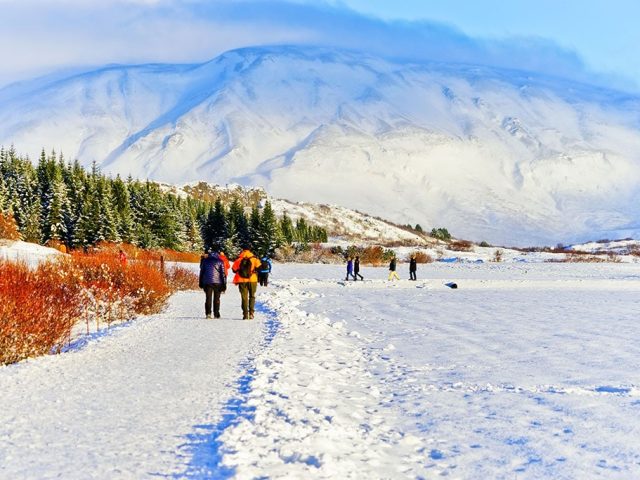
x,y
249,270
353,269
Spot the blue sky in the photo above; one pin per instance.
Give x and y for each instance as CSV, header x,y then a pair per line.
x,y
592,41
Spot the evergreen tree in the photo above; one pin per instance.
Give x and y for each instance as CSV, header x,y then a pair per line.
x,y
107,230
269,238
124,215
255,228
4,195
302,231
216,231
239,237
286,229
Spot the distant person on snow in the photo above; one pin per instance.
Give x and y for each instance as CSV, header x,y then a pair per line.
x,y
392,270
413,266
356,269
213,281
350,269
264,271
245,268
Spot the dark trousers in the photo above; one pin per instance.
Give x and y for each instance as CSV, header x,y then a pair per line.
x,y
356,274
412,275
248,295
263,278
212,291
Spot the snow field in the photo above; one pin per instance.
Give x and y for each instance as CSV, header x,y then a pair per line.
x,y
125,404
318,411
526,371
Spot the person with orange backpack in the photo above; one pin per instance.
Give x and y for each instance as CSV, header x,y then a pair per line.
x,y
245,268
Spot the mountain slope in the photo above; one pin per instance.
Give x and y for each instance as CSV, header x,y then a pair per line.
x,y
492,155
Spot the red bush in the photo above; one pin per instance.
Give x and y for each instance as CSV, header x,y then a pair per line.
x,y
39,307
181,278
37,310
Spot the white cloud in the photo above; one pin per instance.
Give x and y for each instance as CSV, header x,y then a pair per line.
x,y
42,35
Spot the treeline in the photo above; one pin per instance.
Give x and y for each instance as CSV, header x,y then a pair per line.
x,y
60,202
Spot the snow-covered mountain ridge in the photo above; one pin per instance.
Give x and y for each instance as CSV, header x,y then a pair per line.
x,y
502,156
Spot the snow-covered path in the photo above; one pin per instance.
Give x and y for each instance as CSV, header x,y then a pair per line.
x,y
134,403
525,371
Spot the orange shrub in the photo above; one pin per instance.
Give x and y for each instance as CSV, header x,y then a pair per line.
x,y
181,278
372,255
141,283
422,257
37,310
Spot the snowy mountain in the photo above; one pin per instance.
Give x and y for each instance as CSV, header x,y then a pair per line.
x,y
496,155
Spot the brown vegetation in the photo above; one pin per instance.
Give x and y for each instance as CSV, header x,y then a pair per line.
x,y
8,227
461,246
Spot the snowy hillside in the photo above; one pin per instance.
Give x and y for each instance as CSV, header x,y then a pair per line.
x,y
349,225
495,155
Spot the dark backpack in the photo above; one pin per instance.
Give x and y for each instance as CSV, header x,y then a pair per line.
x,y
245,268
264,266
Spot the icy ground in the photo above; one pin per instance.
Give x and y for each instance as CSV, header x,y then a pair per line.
x,y
525,371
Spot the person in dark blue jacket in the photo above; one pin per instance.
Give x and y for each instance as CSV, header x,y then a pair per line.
x,y
350,269
264,271
213,280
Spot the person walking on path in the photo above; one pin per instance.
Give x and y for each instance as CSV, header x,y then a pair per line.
x,y
264,271
356,269
350,269
245,268
213,281
392,270
413,266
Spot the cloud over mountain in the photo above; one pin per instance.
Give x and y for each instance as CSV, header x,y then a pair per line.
x,y
39,36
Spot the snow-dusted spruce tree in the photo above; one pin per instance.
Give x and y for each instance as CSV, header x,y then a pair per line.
x,y
54,204
193,239
255,231
215,231
75,179
270,237
301,232
108,230
286,229
168,227
4,196
239,228
123,212
24,200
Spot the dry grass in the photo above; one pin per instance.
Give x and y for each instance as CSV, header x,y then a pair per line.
x,y
461,246
422,257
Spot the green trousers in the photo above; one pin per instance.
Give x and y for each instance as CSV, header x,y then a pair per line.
x,y
248,295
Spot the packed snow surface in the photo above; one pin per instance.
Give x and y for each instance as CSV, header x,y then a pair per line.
x,y
524,371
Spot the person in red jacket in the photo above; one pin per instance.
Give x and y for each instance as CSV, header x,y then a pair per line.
x,y
225,261
245,267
